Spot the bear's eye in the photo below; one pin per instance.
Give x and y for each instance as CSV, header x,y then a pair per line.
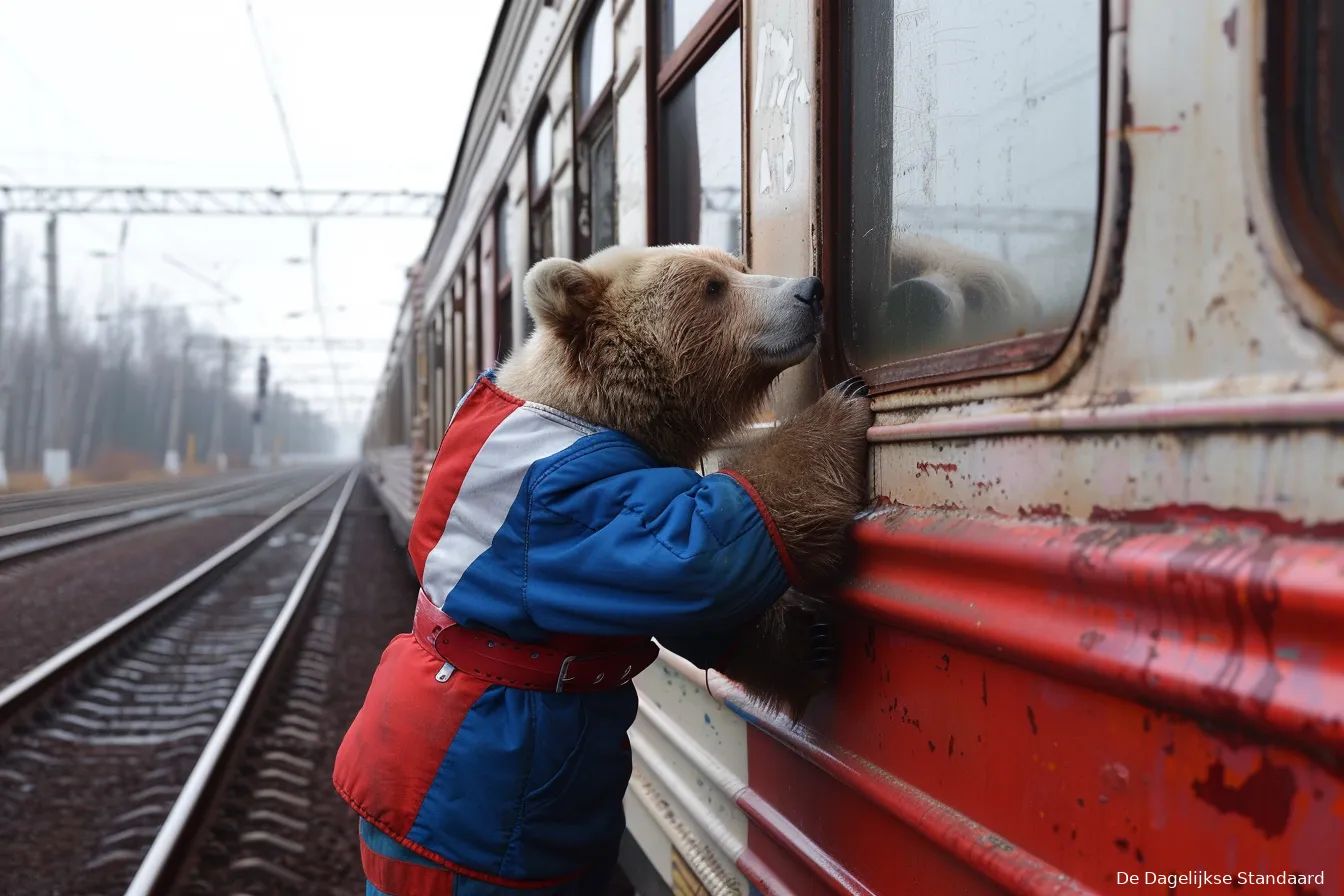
x,y
714,287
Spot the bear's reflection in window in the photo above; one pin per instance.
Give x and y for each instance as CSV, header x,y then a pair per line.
x,y
975,132
700,156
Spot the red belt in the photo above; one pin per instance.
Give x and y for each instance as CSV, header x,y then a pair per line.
x,y
562,665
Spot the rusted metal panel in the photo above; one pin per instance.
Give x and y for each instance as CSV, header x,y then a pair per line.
x,y
1297,474
1048,704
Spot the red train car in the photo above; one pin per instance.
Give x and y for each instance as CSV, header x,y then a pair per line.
x,y
1087,255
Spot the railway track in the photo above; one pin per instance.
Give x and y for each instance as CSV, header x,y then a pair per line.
x,y
23,505
111,748
46,530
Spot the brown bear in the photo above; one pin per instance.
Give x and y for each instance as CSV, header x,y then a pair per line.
x,y
564,526
677,347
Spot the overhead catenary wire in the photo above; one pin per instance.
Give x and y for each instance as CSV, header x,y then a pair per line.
x,y
292,151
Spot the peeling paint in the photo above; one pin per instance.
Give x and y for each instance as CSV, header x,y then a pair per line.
x,y
1265,798
781,87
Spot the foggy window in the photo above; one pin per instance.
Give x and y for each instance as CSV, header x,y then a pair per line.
x,y
595,56
975,131
700,155
676,21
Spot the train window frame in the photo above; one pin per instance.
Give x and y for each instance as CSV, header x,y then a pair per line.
x,y
539,194
459,333
485,241
591,125
714,29
938,371
503,278
438,392
1309,244
471,316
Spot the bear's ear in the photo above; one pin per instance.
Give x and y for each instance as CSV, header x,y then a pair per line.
x,y
561,294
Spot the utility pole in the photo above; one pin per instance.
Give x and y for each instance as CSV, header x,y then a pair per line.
x,y
56,454
6,363
263,372
279,420
172,462
217,425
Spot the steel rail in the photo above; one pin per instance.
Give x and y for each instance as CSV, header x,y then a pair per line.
x,y
24,689
160,863
12,502
16,530
155,510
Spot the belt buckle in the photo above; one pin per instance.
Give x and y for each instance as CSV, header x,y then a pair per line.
x,y
564,668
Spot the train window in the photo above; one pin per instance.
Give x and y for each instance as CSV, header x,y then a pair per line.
x,y
539,169
1304,87
502,260
439,408
595,172
472,313
699,168
676,20
972,188
596,56
503,279
460,381
488,305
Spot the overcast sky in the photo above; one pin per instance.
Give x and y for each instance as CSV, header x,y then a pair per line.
x,y
174,93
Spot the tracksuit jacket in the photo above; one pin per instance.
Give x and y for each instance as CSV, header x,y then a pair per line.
x,y
534,522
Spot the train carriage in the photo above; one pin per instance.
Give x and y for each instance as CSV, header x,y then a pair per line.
x,y
1087,255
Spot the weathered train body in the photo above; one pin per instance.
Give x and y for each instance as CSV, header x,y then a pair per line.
x,y
1089,257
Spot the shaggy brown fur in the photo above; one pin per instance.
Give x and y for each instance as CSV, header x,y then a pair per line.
x,y
658,344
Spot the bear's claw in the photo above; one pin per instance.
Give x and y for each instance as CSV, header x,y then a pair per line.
x,y
854,387
822,650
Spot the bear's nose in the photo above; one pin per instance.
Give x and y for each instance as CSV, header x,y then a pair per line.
x,y
809,291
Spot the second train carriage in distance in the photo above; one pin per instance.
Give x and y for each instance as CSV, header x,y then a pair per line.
x,y
1089,256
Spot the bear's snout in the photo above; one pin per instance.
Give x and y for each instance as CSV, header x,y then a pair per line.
x,y
809,291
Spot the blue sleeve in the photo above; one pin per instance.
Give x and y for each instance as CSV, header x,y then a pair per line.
x,y
619,547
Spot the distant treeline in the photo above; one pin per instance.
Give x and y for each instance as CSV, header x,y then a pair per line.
x,y
113,392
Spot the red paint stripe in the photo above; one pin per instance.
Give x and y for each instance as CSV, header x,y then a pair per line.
x,y
1007,865
802,847
789,569
480,415
761,876
1192,616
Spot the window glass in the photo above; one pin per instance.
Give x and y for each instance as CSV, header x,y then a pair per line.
x,y
595,56
700,156
976,140
677,19
596,181
1304,116
504,324
542,243
604,189
502,225
542,138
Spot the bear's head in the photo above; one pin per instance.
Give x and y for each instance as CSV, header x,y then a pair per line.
x,y
674,346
